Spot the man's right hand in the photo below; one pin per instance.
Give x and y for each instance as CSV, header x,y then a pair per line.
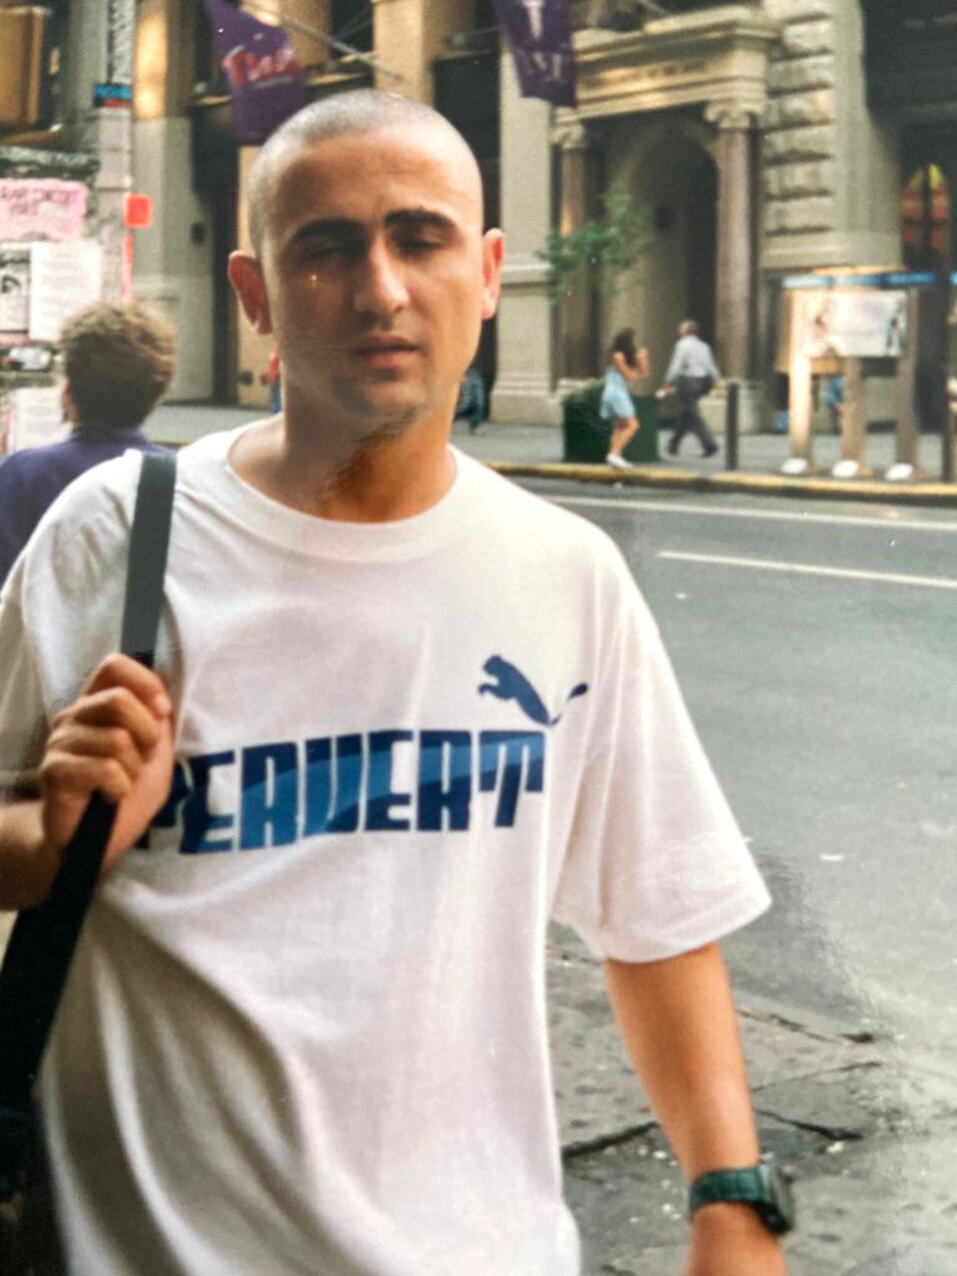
x,y
116,738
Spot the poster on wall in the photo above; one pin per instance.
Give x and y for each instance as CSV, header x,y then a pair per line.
x,y
14,291
63,278
35,417
31,207
853,325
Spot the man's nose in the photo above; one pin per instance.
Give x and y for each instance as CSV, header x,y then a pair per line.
x,y
379,285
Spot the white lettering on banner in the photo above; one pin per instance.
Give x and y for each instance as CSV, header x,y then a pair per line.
x,y
243,67
534,10
548,64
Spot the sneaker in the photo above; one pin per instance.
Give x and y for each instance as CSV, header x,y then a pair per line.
x,y
618,462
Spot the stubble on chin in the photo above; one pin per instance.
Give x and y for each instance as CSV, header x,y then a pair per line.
x,y
369,424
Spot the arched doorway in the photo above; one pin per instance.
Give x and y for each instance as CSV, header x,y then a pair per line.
x,y
667,167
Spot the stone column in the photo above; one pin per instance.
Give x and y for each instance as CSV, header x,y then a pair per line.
x,y
800,418
576,340
523,391
854,418
735,282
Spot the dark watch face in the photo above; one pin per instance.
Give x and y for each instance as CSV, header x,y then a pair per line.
x,y
778,1212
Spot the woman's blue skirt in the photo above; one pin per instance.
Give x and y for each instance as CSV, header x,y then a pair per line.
x,y
615,399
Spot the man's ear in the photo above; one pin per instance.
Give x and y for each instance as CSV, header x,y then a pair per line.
x,y
493,254
246,277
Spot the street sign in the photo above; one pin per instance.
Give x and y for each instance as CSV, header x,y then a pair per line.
x,y
877,279
113,94
137,212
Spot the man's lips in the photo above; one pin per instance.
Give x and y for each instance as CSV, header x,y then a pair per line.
x,y
384,346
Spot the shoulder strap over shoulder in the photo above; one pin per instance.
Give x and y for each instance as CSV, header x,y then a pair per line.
x,y
149,543
43,939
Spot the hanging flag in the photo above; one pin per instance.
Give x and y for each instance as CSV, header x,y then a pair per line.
x,y
539,34
265,76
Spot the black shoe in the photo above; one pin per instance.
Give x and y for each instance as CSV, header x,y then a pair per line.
x,y
709,451
672,448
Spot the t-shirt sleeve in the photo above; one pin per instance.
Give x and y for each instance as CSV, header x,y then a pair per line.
x,y
23,722
655,863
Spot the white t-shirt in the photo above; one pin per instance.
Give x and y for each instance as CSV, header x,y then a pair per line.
x,y
305,1029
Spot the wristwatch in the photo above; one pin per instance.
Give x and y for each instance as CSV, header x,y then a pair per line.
x,y
763,1186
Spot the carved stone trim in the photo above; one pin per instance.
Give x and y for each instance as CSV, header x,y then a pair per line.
x,y
571,135
730,115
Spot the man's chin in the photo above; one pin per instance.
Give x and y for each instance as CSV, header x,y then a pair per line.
x,y
387,408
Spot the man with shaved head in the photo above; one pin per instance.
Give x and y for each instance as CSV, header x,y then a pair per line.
x,y
403,714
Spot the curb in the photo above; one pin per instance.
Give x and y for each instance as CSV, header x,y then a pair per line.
x,y
930,493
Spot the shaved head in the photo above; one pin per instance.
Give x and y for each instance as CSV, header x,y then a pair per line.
x,y
361,111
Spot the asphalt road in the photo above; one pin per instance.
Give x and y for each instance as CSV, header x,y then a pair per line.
x,y
815,648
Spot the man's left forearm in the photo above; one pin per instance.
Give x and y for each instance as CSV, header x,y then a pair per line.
x,y
679,1025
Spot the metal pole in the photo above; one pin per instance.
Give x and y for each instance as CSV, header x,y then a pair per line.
x,y
941,395
100,52
731,424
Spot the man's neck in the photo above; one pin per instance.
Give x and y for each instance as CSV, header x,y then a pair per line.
x,y
387,480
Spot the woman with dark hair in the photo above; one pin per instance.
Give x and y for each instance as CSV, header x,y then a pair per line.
x,y
626,362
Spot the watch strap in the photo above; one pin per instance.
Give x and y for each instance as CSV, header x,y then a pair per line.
x,y
761,1186
745,1186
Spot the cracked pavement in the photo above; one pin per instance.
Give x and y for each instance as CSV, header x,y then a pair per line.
x,y
868,1132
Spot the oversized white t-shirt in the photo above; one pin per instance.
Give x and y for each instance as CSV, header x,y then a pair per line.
x,y
305,1030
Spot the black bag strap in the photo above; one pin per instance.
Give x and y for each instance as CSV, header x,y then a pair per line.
x,y
43,939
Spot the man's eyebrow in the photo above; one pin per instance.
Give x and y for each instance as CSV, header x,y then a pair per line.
x,y
329,227
422,218
347,228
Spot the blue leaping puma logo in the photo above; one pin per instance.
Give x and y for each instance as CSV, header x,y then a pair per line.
x,y
509,683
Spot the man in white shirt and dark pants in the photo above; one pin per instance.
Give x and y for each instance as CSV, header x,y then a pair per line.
x,y
691,373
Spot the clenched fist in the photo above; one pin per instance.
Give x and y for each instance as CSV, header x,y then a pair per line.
x,y
116,738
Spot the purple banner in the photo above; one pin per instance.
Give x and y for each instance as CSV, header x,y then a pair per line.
x,y
265,77
539,34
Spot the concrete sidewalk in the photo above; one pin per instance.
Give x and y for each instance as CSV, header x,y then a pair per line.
x,y
869,1133
536,451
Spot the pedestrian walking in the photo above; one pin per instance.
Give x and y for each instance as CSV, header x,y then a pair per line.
x,y
118,362
626,363
691,374
471,400
834,400
305,1029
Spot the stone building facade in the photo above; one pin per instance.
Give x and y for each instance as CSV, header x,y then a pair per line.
x,y
759,135
745,129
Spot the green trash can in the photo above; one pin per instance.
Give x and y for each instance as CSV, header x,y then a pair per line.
x,y
587,436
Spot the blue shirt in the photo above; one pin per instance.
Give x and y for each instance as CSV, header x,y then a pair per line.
x,y
30,480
